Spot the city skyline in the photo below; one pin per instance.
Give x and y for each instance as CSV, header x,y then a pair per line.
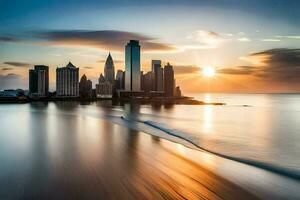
x,y
248,53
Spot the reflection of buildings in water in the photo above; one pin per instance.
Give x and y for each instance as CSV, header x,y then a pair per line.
x,y
132,110
39,105
156,106
85,103
105,103
67,105
132,148
168,106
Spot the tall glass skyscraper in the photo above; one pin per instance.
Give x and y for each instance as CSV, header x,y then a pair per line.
x,y
132,66
39,81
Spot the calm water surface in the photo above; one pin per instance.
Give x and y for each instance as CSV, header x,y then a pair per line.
x,y
262,127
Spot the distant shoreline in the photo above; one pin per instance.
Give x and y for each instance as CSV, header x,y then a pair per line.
x,y
142,100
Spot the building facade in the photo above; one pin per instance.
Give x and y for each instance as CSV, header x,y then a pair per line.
x,y
85,87
67,78
169,80
39,81
109,70
120,80
146,81
104,89
159,79
132,66
158,76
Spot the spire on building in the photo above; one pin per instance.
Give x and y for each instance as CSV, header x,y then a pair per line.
x,y
109,69
70,65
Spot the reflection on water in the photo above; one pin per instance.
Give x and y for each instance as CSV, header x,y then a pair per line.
x,y
60,146
207,119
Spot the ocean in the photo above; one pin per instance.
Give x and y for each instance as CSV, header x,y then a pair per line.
x,y
260,130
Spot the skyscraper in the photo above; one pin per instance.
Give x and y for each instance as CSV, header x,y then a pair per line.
x,y
155,63
120,80
169,81
146,83
67,81
158,76
109,69
132,66
39,81
159,79
104,88
85,87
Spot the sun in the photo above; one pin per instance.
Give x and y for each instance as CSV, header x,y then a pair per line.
x,y
209,71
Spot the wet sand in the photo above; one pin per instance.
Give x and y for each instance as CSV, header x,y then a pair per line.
x,y
76,157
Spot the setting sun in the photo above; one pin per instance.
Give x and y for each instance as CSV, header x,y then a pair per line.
x,y
208,71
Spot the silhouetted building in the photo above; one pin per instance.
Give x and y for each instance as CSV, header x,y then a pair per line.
x,y
146,82
169,81
154,64
109,70
67,81
177,92
104,88
39,81
120,80
132,66
159,79
158,76
85,87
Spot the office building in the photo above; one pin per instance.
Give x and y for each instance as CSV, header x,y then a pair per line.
x,y
169,80
67,84
39,81
120,80
132,66
104,88
146,81
109,70
85,87
158,76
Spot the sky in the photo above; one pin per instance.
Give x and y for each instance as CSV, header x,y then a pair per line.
x,y
253,45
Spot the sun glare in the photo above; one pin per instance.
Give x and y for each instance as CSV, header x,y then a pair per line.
x,y
209,71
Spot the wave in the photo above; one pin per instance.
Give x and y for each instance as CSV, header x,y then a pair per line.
x,y
292,173
158,130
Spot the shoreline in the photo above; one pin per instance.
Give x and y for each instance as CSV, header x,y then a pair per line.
x,y
143,100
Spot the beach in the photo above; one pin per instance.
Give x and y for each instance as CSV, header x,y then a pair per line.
x,y
116,163
69,150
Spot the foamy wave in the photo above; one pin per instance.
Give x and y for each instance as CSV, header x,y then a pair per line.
x,y
160,130
292,173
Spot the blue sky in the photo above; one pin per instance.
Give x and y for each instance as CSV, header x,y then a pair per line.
x,y
190,34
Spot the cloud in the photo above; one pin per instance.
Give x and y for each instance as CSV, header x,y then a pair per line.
x,y
244,39
9,39
203,39
112,40
55,54
188,69
17,64
288,36
115,61
238,70
7,69
279,65
270,40
88,67
103,39
10,80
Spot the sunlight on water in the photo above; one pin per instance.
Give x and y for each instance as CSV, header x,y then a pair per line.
x,y
207,124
